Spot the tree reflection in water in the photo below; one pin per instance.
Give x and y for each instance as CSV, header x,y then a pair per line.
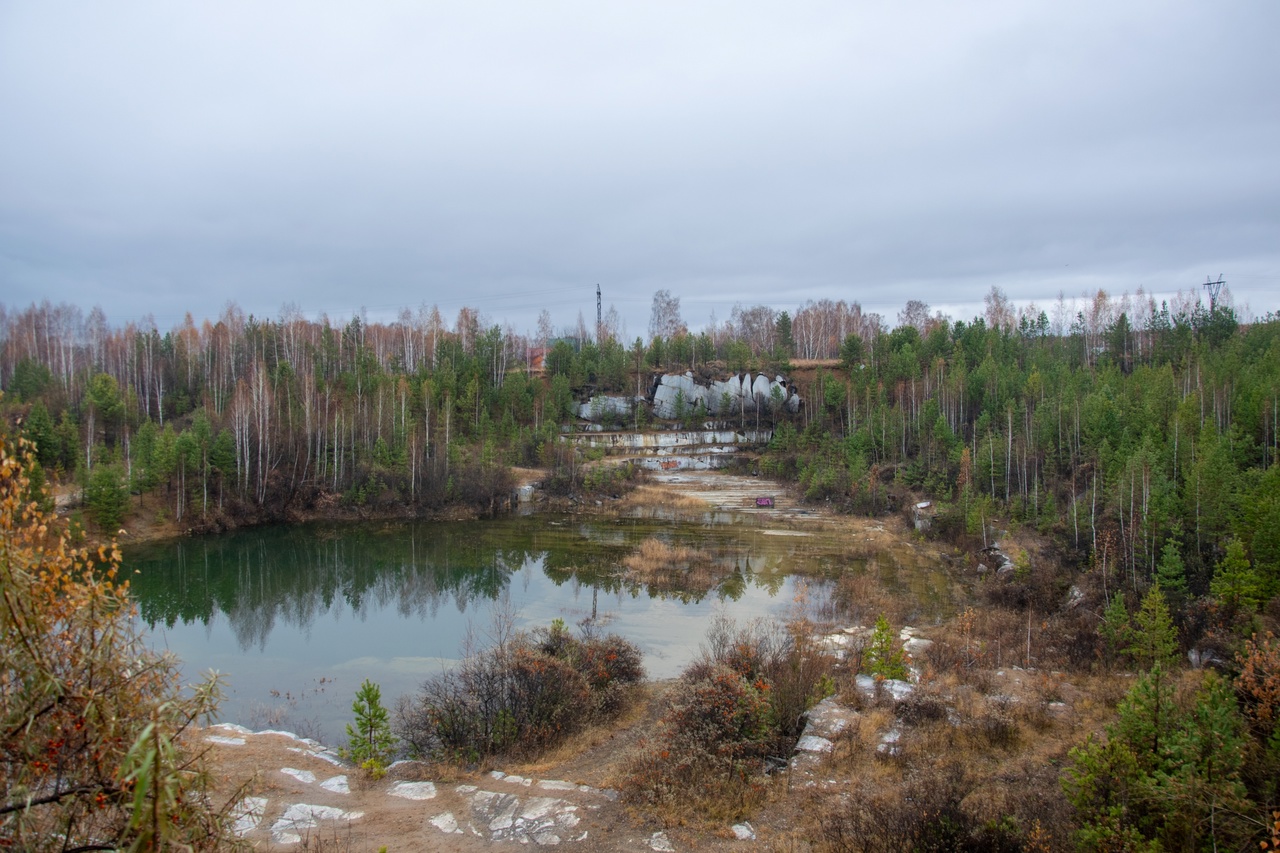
x,y
295,575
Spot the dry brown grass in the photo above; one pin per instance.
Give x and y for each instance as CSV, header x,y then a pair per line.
x,y
584,748
661,496
663,566
983,740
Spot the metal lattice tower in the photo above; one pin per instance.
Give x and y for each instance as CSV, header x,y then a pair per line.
x,y
1214,288
599,317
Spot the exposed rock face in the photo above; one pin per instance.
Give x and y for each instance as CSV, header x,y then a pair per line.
x,y
602,408
676,395
718,431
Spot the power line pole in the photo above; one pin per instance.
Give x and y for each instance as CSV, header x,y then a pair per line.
x,y
1214,288
599,318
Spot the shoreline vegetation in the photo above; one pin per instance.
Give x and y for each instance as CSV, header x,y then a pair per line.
x,y
1105,485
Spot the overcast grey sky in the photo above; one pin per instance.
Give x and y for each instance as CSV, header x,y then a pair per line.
x,y
169,157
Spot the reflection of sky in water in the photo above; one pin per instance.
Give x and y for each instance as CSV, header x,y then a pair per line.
x,y
280,613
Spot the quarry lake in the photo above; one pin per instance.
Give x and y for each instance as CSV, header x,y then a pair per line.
x,y
296,617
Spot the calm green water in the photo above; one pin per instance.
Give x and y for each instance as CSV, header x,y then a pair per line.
x,y
296,617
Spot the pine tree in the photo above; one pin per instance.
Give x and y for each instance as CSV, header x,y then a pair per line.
x,y
884,658
1152,639
1114,630
1165,778
1235,583
370,741
107,497
1171,572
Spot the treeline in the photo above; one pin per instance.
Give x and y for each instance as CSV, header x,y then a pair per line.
x,y
251,416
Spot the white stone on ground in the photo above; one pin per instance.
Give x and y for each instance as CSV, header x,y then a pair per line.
x,y
659,843
899,690
304,776
916,645
413,790
556,785
896,689
829,718
538,807
301,816
336,784
744,832
232,727
446,823
504,817
813,743
889,743
289,735
317,752
247,814
225,741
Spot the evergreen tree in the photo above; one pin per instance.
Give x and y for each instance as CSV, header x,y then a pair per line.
x,y
884,658
40,429
1165,778
782,330
1171,573
852,351
1152,638
1235,583
370,741
1114,630
106,497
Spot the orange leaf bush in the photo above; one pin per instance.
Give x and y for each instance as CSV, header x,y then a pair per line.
x,y
89,717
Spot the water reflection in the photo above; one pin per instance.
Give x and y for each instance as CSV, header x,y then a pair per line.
x,y
295,575
311,611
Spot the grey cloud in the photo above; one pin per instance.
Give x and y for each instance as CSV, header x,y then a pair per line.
x,y
176,157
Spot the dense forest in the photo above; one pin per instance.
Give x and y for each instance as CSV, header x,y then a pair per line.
x,y
1144,436
248,416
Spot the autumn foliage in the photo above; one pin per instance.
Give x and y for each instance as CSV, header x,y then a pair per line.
x,y
739,704
90,720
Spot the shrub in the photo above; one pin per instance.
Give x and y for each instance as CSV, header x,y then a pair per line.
x,y
711,742
722,715
609,662
526,693
740,703
930,811
783,658
1259,685
90,719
